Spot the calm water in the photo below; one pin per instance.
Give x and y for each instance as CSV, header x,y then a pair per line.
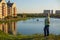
x,y
32,26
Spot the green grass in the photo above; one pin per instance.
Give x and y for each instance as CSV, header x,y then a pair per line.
x,y
4,36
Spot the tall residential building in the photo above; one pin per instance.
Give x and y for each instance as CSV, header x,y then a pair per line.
x,y
51,11
3,9
7,9
46,11
11,8
57,11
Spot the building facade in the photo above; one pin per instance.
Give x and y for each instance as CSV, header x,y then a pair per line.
x,y
3,9
7,9
51,11
57,12
11,8
48,11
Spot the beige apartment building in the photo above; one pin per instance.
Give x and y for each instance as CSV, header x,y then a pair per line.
x,y
11,9
3,9
7,9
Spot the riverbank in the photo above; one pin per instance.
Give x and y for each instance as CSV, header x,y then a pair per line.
x,y
18,18
38,15
12,20
4,36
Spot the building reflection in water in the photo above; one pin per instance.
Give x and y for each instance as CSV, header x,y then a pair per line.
x,y
9,27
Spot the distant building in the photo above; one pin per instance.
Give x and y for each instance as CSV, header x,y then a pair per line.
x,y
51,11
57,11
48,11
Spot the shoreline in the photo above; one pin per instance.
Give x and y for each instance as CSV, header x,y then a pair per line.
x,y
20,18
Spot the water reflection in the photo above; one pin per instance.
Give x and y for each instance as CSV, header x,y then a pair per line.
x,y
9,27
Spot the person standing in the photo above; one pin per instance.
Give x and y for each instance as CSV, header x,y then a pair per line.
x,y
47,23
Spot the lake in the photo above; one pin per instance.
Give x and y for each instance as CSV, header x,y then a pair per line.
x,y
32,26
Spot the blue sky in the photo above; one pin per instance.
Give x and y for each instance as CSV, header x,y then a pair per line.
x,y
36,6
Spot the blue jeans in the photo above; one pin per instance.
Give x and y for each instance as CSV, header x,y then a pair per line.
x,y
46,30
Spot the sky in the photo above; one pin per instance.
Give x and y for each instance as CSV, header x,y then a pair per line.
x,y
36,6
